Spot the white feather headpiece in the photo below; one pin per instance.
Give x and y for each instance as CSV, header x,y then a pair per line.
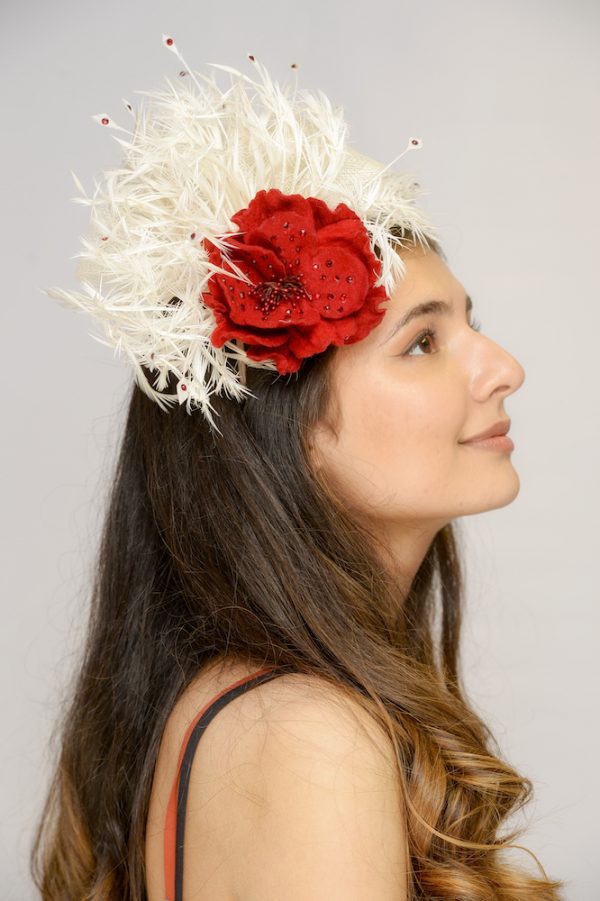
x,y
196,156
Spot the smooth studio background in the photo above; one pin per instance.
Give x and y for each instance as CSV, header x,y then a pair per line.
x,y
505,98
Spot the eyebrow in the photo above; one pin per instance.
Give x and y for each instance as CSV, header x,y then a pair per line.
x,y
424,309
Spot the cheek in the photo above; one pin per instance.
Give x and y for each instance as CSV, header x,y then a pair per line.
x,y
401,419
398,440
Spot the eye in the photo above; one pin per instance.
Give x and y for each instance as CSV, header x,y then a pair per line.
x,y
429,334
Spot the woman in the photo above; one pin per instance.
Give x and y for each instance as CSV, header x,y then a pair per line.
x,y
303,548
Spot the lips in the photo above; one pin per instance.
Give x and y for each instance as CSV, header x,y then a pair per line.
x,y
498,428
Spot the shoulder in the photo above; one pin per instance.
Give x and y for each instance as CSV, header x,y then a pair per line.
x,y
297,786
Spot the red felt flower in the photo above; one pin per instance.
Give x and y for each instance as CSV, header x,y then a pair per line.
x,y
312,274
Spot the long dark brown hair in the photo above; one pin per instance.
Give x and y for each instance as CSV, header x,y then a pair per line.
x,y
229,544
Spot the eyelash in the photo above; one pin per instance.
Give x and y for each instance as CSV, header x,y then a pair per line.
x,y
432,333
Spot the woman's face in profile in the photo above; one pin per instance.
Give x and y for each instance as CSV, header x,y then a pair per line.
x,y
403,401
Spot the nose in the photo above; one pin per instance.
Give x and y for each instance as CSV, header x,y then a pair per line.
x,y
494,370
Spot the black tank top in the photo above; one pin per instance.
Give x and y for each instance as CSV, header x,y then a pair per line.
x,y
175,820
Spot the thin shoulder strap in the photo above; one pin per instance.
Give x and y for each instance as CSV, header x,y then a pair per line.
x,y
175,819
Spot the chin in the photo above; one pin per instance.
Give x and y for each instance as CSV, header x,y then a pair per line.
x,y
499,491
506,490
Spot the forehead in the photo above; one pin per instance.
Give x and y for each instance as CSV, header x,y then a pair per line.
x,y
425,272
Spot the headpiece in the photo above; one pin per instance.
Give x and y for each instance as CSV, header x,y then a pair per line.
x,y
241,229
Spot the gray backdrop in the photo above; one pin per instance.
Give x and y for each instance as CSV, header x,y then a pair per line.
x,y
505,98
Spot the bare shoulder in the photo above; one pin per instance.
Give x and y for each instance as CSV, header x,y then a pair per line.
x,y
297,791
307,715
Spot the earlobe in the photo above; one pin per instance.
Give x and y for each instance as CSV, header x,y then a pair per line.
x,y
313,447
312,456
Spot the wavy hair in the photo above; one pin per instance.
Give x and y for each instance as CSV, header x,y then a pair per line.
x,y
216,545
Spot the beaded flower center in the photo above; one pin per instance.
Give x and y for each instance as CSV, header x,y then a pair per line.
x,y
271,294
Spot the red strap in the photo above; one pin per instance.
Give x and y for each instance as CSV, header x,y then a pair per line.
x,y
171,818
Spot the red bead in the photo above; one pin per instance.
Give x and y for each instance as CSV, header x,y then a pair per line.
x,y
193,235
169,42
183,387
105,121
